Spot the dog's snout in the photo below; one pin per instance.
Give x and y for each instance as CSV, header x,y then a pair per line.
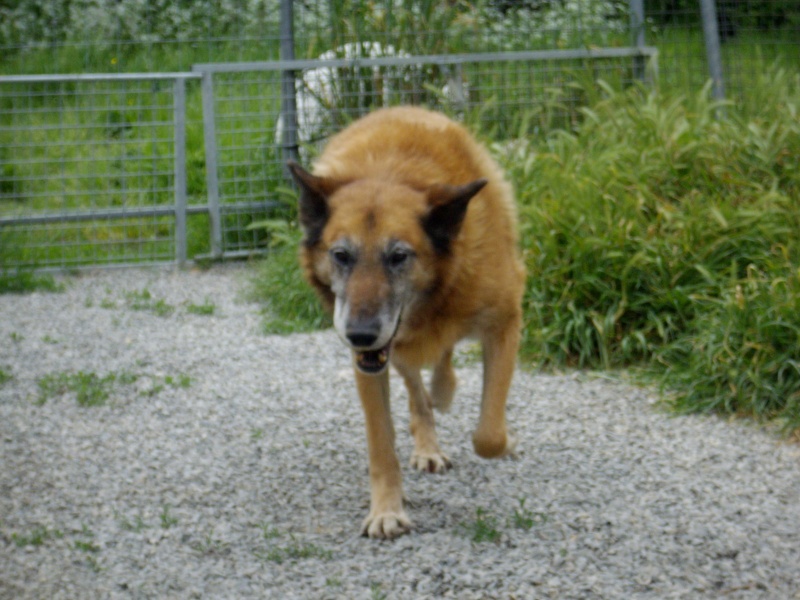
x,y
364,334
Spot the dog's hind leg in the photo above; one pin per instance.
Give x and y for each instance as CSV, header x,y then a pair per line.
x,y
386,518
427,456
443,383
491,438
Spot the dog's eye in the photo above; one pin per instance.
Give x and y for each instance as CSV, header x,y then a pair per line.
x,y
342,257
398,258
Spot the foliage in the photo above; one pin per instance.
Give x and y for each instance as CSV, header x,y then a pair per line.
x,y
31,23
658,231
21,282
290,304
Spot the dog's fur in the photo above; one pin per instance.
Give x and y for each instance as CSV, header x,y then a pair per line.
x,y
410,239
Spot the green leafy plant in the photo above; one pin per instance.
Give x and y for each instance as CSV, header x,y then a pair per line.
x,y
524,518
144,300
37,537
483,529
89,388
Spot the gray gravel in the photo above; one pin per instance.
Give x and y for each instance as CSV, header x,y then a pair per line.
x,y
228,464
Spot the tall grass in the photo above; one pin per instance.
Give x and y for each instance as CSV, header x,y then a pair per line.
x,y
656,233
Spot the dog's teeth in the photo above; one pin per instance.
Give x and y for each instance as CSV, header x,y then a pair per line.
x,y
382,358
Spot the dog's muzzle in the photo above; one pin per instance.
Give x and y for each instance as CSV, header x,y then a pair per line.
x,y
363,338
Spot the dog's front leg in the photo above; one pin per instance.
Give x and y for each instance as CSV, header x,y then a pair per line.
x,y
427,456
491,438
386,518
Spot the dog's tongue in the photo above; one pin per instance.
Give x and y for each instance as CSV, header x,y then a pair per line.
x,y
372,361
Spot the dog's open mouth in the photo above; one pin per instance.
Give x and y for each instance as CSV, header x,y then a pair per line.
x,y
373,361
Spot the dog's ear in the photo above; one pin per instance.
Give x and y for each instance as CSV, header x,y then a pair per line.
x,y
448,207
313,204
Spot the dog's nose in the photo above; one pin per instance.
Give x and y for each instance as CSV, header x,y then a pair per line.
x,y
364,334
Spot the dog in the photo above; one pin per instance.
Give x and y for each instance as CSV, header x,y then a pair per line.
x,y
324,95
410,241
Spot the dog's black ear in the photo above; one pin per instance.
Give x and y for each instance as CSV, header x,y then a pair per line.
x,y
448,207
313,204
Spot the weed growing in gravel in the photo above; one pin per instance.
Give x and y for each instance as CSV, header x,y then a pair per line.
x,y
206,309
483,528
86,546
296,551
181,381
293,551
524,518
167,520
4,376
16,337
38,536
135,526
209,545
376,589
269,532
90,389
144,300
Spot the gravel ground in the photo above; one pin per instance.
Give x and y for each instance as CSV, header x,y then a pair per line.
x,y
227,464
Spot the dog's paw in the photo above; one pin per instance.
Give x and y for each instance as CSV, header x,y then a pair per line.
x,y
386,525
494,444
433,462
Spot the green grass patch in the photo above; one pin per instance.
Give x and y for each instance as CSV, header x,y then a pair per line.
x,y
290,305
167,519
25,282
295,550
206,309
144,300
38,536
657,234
91,389
5,376
484,528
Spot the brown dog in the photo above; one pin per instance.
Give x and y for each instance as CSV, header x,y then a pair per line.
x,y
410,239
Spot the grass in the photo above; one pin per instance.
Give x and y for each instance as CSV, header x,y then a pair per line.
x,y
36,537
167,520
290,305
484,528
294,550
26,281
91,389
657,235
145,301
206,309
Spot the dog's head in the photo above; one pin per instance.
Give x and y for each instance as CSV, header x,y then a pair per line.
x,y
370,247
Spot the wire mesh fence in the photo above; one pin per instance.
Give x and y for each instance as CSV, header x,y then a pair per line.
x,y
94,171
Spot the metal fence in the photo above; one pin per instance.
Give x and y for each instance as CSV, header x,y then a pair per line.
x,y
131,168
93,169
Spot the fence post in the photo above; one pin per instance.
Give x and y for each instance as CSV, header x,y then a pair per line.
x,y
212,180
637,29
288,100
179,103
708,11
